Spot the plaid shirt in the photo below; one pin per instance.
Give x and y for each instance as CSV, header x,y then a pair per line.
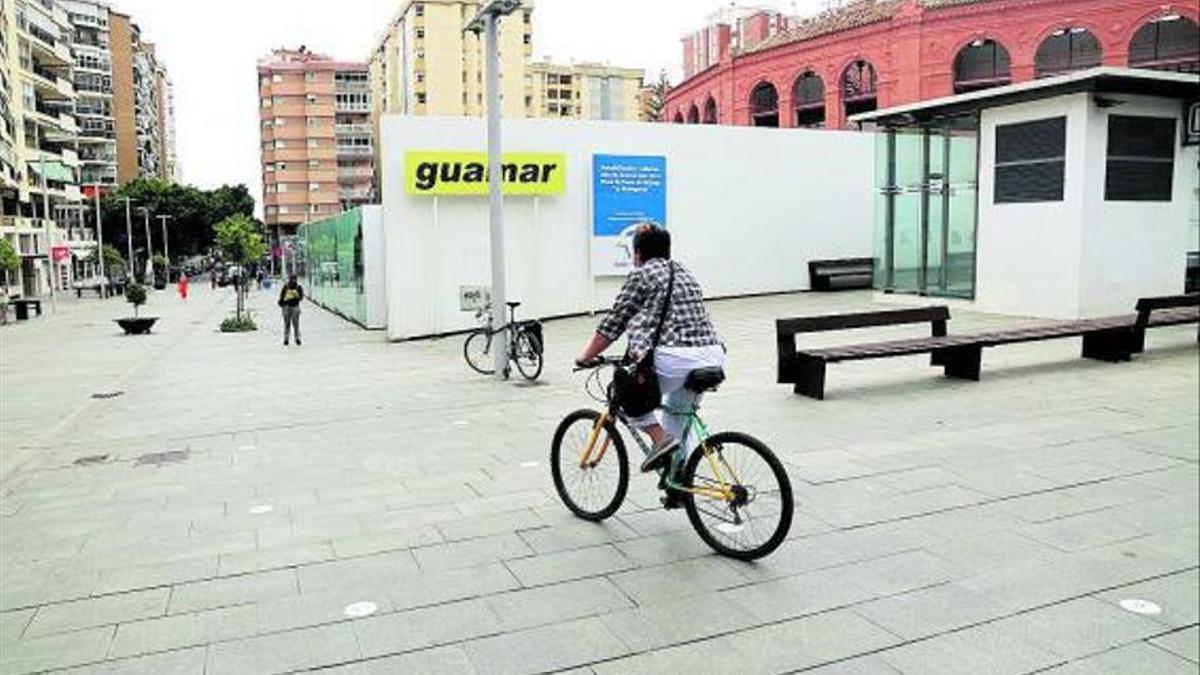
x,y
639,304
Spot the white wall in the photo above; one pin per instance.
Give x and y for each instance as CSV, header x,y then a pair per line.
x,y
374,265
1084,256
747,208
1028,256
1133,249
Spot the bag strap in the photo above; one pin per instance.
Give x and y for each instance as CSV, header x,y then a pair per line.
x,y
662,316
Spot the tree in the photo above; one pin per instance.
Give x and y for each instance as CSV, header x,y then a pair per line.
x,y
135,294
656,102
114,262
240,241
193,213
9,261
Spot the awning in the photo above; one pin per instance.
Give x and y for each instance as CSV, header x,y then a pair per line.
x,y
55,171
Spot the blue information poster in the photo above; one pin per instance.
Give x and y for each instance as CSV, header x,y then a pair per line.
x,y
626,190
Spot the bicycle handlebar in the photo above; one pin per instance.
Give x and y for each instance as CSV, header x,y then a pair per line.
x,y
599,362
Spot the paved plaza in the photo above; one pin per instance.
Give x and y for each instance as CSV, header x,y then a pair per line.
x,y
193,502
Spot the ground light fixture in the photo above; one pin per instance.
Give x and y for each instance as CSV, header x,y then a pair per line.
x,y
487,21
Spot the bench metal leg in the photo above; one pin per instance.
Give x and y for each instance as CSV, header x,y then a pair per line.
x,y
810,378
1109,345
959,362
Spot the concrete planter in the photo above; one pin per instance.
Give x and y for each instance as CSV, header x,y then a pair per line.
x,y
137,325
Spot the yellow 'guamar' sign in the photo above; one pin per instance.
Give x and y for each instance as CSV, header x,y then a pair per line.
x,y
436,172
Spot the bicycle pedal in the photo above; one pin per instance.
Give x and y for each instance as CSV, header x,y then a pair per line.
x,y
672,500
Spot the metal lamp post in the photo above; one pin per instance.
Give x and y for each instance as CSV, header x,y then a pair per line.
x,y
149,248
487,21
166,245
131,269
104,288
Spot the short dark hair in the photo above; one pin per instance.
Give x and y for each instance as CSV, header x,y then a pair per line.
x,y
652,241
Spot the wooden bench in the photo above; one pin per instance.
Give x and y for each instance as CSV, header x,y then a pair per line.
x,y
851,272
97,286
23,305
1169,310
1111,339
806,369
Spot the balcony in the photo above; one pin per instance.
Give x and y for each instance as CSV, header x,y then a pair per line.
x,y
353,129
354,194
355,151
353,106
350,173
49,85
46,46
348,87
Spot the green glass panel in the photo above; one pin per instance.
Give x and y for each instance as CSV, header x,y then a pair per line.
x,y
906,246
334,275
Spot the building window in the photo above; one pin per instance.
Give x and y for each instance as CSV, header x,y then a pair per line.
x,y
314,143
1065,50
693,116
277,78
420,53
420,97
419,9
1140,163
420,33
313,187
710,111
858,88
314,164
981,64
310,77
1030,161
764,105
808,97
1170,42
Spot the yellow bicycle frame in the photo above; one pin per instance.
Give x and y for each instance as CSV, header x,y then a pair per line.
x,y
725,492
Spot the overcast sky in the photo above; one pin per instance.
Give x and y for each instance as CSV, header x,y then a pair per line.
x,y
210,49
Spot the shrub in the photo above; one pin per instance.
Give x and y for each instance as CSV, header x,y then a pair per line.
x,y
135,294
238,324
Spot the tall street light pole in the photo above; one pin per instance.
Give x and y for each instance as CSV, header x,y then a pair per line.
x,y
100,243
166,245
488,22
131,270
38,137
149,248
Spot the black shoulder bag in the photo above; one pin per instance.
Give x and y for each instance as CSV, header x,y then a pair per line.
x,y
636,388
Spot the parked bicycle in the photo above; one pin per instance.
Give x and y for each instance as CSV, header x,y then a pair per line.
x,y
735,490
523,340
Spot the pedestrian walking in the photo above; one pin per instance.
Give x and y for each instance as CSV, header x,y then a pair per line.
x,y
290,296
183,285
258,277
212,276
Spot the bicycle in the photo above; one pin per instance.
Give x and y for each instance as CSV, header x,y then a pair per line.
x,y
523,341
730,502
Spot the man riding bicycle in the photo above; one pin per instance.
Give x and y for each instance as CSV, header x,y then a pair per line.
x,y
686,341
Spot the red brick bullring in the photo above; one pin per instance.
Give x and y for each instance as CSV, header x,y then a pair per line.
x,y
912,46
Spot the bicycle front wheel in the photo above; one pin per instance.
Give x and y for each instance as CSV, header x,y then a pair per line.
x,y
528,355
477,350
740,501
594,486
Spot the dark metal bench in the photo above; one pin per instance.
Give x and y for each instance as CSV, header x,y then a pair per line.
x,y
1110,339
850,273
23,305
1191,283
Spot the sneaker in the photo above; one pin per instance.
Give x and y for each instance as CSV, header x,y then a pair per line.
x,y
672,500
298,342
285,343
659,453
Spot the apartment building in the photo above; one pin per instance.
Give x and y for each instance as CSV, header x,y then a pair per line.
x,y
124,98
591,91
732,27
316,137
39,191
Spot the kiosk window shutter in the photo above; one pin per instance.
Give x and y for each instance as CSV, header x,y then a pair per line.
x,y
1140,164
1030,161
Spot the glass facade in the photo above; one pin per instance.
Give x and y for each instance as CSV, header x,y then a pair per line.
x,y
333,264
925,208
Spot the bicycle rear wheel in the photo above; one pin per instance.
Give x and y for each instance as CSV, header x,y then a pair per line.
x,y
594,490
477,350
753,520
528,355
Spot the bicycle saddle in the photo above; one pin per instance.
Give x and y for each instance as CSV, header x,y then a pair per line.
x,y
510,303
705,379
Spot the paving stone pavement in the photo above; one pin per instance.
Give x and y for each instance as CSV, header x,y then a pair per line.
x,y
941,526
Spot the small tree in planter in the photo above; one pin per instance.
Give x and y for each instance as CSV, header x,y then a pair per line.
x,y
10,262
162,271
241,243
135,294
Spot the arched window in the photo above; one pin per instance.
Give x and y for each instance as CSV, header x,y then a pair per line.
x,y
858,88
808,93
764,105
710,111
678,117
1170,42
1066,49
693,115
981,64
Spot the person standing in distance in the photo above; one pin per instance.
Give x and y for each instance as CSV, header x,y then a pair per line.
x,y
290,296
